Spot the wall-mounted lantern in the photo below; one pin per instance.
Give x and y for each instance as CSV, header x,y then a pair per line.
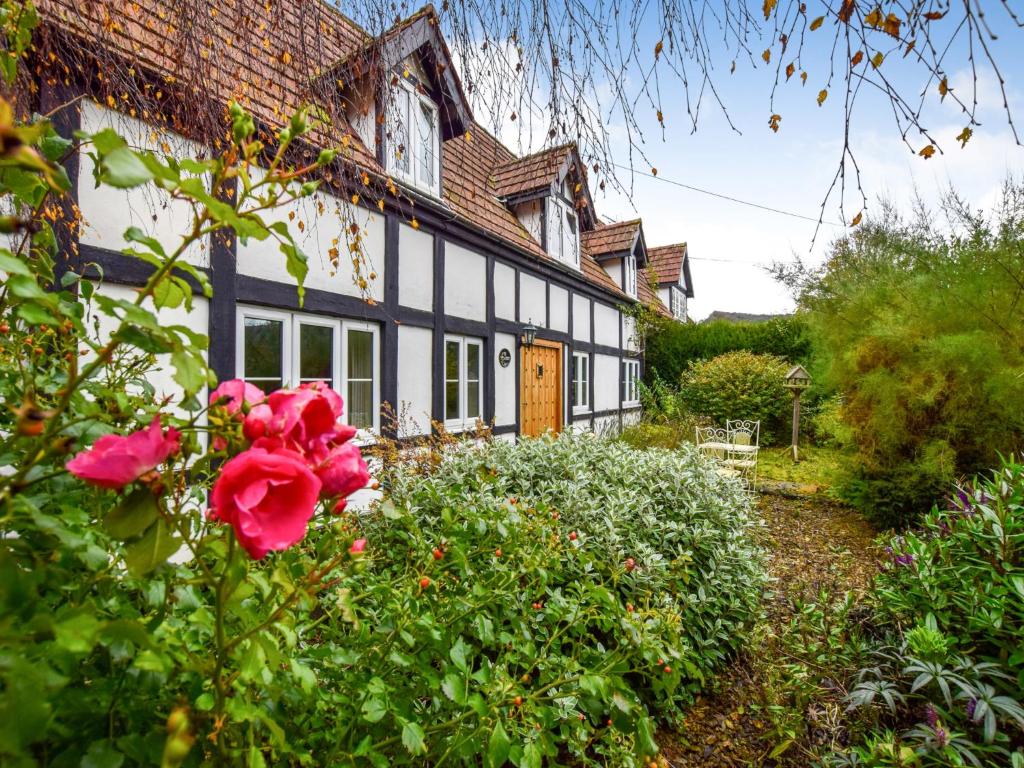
x,y
797,380
529,334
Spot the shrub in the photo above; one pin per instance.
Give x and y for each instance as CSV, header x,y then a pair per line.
x,y
654,435
946,675
740,385
670,347
919,325
534,600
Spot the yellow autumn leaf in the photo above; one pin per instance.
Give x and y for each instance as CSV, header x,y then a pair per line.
x,y
415,224
877,59
286,58
767,55
943,88
927,152
769,6
803,78
658,48
857,58
892,25
874,19
661,117
773,122
790,69
965,136
822,95
857,219
817,23
654,171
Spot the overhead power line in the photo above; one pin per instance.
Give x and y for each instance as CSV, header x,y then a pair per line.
x,y
731,199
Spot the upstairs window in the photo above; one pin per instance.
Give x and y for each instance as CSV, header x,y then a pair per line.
x,y
629,275
678,302
413,148
563,233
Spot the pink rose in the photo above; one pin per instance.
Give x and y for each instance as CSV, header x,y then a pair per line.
x,y
257,422
239,393
304,416
113,461
268,498
357,546
343,471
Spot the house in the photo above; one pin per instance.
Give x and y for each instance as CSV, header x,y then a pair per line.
x,y
671,267
486,288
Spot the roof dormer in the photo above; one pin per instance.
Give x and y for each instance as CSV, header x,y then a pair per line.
x,y
621,249
548,193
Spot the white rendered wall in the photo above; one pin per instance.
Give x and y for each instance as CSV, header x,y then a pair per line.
x,y
606,325
414,380
529,215
631,417
533,301
614,268
505,381
559,320
107,212
606,426
606,382
580,318
465,283
415,268
629,340
323,237
162,376
504,291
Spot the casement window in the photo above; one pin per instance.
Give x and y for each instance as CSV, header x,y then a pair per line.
x,y
630,382
580,382
463,381
563,232
413,148
678,301
281,349
629,275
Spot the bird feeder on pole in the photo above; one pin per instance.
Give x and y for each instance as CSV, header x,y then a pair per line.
x,y
797,380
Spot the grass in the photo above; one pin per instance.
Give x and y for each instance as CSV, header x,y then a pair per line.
x,y
817,466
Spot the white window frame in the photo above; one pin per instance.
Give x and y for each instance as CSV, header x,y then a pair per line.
x,y
678,303
629,275
558,213
580,386
462,421
415,101
290,353
630,380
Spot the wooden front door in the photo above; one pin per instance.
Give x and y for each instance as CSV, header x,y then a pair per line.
x,y
540,388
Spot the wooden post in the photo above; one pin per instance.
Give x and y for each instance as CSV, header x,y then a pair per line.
x,y
796,425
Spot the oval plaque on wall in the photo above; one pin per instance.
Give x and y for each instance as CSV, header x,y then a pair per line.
x,y
504,358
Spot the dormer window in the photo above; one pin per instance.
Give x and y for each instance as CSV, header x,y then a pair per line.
x,y
563,232
629,275
678,302
413,148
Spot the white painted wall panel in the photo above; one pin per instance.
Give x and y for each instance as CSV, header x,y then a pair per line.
x,y
631,417
415,268
505,381
606,325
324,235
465,283
607,426
580,318
504,291
414,380
107,212
629,339
606,382
533,300
614,268
559,320
529,215
162,376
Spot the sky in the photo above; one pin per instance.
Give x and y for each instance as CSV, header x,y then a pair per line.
x,y
731,244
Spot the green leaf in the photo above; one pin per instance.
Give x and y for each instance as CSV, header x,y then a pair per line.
x,y
151,550
459,653
645,737
454,688
33,314
189,370
132,516
77,633
12,264
413,738
136,235
123,169
102,754
498,746
374,710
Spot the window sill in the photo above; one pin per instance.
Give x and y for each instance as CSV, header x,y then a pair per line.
x,y
583,410
631,404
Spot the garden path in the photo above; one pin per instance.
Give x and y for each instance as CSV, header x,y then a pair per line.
x,y
813,544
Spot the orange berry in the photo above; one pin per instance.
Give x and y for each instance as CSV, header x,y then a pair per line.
x,y
424,582
438,554
497,552
572,536
668,670
518,701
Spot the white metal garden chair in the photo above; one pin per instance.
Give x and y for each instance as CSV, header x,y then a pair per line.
x,y
744,439
714,443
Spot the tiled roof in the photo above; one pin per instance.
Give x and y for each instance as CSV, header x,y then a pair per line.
x,y
266,55
611,238
530,173
667,262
